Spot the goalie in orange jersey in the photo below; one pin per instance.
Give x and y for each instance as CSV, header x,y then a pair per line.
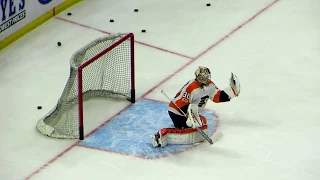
x,y
193,96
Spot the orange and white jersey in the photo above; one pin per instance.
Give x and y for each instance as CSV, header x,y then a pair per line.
x,y
193,93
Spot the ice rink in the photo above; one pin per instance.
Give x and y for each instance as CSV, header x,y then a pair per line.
x,y
271,131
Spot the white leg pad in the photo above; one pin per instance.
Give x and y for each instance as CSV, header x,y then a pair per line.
x,y
163,140
188,138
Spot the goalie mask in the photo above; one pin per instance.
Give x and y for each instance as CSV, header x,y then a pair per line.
x,y
203,75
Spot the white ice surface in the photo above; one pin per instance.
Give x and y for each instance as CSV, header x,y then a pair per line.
x,y
270,132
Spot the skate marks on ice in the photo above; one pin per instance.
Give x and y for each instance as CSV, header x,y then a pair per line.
x,y
128,133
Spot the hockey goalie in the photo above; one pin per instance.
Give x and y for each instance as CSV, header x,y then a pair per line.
x,y
184,108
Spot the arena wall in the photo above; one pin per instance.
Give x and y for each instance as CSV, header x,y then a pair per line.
x,y
19,17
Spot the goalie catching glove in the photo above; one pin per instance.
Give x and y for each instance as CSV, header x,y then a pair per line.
x,y
234,89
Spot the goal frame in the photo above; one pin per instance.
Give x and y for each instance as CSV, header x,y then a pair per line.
x,y
129,36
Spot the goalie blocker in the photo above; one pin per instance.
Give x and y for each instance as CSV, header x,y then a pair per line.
x,y
184,107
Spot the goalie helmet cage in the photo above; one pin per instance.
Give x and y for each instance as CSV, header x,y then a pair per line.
x,y
102,68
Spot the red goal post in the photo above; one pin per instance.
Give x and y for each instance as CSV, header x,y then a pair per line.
x,y
103,68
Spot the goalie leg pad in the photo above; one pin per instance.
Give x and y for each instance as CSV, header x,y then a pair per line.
x,y
185,136
178,136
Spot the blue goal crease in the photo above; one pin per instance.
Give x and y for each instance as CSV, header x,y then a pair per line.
x,y
129,132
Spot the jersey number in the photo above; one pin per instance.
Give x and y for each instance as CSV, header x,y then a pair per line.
x,y
203,100
186,95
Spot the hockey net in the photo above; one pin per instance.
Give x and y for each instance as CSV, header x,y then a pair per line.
x,y
103,68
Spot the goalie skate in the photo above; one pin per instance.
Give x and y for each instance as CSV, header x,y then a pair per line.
x,y
155,140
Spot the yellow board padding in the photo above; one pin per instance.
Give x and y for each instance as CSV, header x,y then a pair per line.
x,y
35,23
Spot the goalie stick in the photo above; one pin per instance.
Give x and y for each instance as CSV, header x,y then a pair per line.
x,y
198,129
